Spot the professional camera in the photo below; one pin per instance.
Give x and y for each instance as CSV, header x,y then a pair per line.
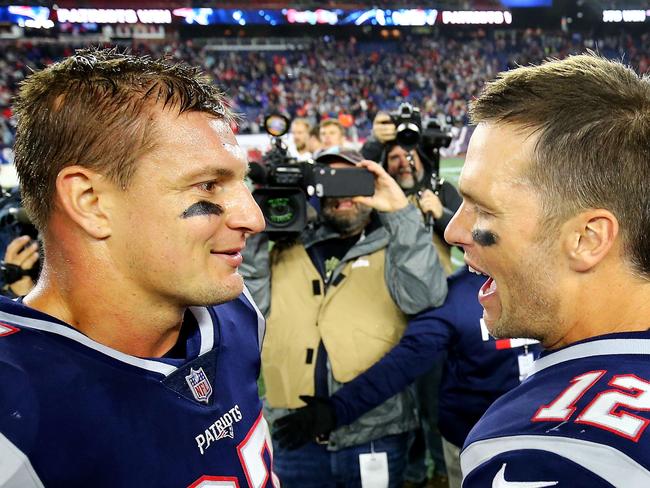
x,y
284,184
410,134
14,223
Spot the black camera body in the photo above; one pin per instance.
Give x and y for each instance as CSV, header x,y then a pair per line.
x,y
410,134
14,223
284,185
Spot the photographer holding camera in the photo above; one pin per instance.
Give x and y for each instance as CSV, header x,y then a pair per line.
x,y
20,265
336,300
411,154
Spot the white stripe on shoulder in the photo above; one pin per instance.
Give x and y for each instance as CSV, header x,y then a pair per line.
x,y
15,469
261,321
604,347
70,333
206,328
610,464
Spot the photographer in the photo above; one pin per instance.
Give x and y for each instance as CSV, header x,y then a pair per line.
x,y
336,301
20,257
383,131
410,154
19,246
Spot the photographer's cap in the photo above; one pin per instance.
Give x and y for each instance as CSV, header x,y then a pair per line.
x,y
336,154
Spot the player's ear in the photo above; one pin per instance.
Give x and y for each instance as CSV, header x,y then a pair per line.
x,y
590,236
81,193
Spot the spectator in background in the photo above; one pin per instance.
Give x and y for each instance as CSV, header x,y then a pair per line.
x,y
332,134
314,145
336,301
300,130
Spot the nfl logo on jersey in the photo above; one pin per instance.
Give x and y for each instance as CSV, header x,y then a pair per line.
x,y
199,385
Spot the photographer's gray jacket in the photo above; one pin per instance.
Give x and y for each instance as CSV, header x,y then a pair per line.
x,y
359,314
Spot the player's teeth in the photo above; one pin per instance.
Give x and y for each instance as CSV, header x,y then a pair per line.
x,y
474,271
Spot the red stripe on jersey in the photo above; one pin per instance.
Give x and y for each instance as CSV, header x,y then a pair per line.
x,y
6,329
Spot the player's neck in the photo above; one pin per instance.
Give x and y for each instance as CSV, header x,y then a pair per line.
x,y
619,304
123,321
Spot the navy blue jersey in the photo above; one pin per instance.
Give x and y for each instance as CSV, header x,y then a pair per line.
x,y
76,413
579,420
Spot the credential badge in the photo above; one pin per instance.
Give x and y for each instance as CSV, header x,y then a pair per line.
x,y
199,384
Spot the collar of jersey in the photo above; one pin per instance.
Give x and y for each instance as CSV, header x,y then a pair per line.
x,y
624,343
21,316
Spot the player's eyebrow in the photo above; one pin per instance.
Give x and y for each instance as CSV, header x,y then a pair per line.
x,y
473,199
210,172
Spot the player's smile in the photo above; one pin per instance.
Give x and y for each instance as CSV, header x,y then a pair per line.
x,y
232,257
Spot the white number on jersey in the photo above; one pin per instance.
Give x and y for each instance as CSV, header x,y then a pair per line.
x,y
605,410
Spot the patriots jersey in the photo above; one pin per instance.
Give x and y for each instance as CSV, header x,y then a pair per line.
x,y
74,412
577,421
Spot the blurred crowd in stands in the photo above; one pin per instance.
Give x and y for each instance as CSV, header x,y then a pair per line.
x,y
348,79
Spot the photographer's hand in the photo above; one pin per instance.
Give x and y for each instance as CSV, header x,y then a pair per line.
x,y
25,255
383,128
429,202
388,196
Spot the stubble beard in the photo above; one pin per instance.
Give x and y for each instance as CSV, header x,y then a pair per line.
x,y
348,224
535,313
219,293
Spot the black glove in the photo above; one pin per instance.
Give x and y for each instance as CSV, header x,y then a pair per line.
x,y
11,272
305,424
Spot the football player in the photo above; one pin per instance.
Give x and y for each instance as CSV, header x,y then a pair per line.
x,y
555,212
134,360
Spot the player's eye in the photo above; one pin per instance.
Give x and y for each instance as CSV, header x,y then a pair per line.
x,y
207,186
481,212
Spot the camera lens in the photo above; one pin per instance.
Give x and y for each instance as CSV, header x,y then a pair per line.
x,y
408,135
280,211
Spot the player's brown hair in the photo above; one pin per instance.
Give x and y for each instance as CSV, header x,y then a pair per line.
x,y
97,109
592,116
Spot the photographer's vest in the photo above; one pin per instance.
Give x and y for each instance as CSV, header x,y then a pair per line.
x,y
356,319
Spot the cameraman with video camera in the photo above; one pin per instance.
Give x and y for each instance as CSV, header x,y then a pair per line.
x,y
336,296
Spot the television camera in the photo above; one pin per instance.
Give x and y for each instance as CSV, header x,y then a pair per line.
x,y
284,185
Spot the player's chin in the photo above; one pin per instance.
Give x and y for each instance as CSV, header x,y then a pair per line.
x,y
493,323
232,286
223,290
